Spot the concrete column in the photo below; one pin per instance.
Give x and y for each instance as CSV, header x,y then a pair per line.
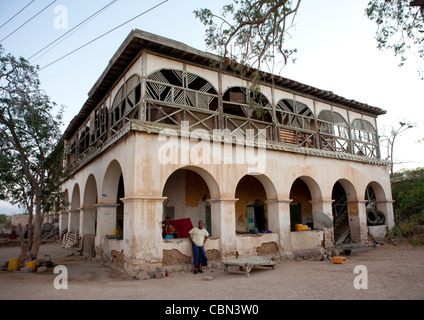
x,y
223,213
143,247
387,208
358,220
74,221
63,220
279,222
88,220
106,220
326,207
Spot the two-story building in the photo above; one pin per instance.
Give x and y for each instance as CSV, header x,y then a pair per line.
x,y
165,132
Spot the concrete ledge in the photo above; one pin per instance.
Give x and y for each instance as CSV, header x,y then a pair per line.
x,y
377,232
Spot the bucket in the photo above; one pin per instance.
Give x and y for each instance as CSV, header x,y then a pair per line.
x,y
304,227
13,265
298,227
30,264
339,260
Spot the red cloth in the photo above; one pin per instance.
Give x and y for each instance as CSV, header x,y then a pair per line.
x,y
183,226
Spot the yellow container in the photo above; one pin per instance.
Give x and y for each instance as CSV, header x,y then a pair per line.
x,y
30,264
13,265
339,260
298,227
304,228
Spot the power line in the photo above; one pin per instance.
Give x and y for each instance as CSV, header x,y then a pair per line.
x,y
84,45
27,21
16,14
80,24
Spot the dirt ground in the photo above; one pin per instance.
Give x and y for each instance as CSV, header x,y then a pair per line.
x,y
394,272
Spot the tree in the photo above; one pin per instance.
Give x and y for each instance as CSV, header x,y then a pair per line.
x,y
391,138
29,136
400,27
250,31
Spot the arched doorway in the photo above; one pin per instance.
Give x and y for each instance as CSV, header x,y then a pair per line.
x,y
113,190
300,207
89,207
74,213
374,195
251,210
345,212
187,195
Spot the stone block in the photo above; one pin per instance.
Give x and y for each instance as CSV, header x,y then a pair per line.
x,y
41,269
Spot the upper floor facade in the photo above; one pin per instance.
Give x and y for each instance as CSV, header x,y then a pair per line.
x,y
163,83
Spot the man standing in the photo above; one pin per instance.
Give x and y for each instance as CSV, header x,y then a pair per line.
x,y
198,238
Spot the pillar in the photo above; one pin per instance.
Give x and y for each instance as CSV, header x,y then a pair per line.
x,y
326,207
224,224
279,222
386,207
358,220
143,247
106,220
63,220
88,220
74,220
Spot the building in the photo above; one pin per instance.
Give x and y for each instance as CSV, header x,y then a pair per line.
x,y
165,132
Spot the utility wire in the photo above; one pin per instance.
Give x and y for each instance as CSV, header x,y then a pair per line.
x,y
27,21
104,34
80,24
16,14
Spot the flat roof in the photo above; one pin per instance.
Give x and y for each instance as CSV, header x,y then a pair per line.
x,y
138,39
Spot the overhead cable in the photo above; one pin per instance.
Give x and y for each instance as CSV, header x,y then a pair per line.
x,y
16,14
27,21
77,26
104,34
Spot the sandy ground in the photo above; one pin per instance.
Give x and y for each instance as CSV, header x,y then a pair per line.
x,y
394,272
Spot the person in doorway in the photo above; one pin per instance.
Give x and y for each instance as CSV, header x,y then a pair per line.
x,y
198,237
168,229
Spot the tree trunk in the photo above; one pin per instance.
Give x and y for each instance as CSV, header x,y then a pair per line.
x,y
37,226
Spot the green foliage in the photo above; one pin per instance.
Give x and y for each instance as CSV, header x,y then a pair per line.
x,y
4,219
250,31
400,27
30,162
408,193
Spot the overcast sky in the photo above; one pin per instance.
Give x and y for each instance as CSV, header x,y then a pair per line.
x,y
335,43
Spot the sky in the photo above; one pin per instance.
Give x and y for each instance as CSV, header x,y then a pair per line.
x,y
335,42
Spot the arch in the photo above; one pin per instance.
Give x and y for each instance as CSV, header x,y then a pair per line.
x,y
206,176
345,211
302,192
376,201
333,123
294,114
66,199
364,136
349,189
313,187
126,99
75,201
187,193
251,208
181,88
333,131
111,182
242,102
379,192
90,191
